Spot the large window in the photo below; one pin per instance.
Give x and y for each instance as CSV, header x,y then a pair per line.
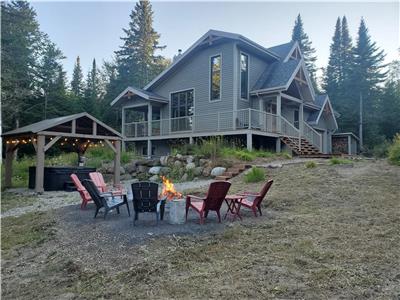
x,y
182,108
244,76
215,78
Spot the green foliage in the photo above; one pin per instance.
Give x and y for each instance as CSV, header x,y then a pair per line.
x,y
394,151
310,164
209,148
254,175
339,161
381,150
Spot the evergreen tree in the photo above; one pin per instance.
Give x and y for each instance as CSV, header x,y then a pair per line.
x,y
346,52
77,84
299,35
93,91
137,60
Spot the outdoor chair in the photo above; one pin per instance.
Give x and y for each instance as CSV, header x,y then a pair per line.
x,y
212,201
98,180
145,199
106,200
82,191
253,200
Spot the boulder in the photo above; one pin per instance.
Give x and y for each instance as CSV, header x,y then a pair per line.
x,y
164,160
126,177
122,170
190,166
184,177
189,159
274,166
142,169
206,171
108,177
155,170
198,171
178,164
203,162
154,178
130,168
179,156
165,171
218,171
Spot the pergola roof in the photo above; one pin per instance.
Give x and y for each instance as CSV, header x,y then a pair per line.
x,y
50,125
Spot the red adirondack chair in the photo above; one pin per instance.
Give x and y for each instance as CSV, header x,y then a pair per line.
x,y
212,201
98,180
82,191
255,204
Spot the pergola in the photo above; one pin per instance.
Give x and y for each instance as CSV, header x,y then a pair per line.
x,y
81,130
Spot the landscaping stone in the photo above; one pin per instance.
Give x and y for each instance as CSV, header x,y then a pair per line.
x,y
189,159
121,170
206,171
179,156
154,178
203,162
198,171
142,169
164,160
155,170
178,164
274,166
126,177
218,171
130,168
190,166
185,177
165,171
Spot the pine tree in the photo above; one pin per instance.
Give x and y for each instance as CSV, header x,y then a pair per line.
x,y
77,84
333,71
137,61
93,91
346,52
299,35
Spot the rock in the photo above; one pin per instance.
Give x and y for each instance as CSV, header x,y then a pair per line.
x,y
178,164
126,177
165,171
134,180
217,171
206,171
190,166
164,160
154,178
142,169
130,168
155,170
203,162
189,159
153,162
108,177
274,166
179,156
184,177
198,171
122,170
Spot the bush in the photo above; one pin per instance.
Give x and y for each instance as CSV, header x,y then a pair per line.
x,y
339,161
381,150
394,151
244,155
255,175
310,164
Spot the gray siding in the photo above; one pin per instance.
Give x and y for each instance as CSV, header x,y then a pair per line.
x,y
195,74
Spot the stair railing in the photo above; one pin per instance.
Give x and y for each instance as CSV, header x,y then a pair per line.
x,y
314,137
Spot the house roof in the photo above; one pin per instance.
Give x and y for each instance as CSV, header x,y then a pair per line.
x,y
150,96
282,50
321,100
49,123
347,134
277,75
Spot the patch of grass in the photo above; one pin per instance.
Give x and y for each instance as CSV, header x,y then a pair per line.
x,y
310,164
339,161
27,230
394,151
11,200
255,175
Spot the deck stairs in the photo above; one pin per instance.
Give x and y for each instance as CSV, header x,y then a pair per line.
x,y
307,149
233,171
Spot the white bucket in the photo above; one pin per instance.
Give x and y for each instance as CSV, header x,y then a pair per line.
x,y
177,211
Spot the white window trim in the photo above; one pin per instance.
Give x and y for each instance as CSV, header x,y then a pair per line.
x,y
209,79
248,77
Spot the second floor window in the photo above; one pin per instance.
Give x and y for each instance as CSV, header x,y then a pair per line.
x,y
244,76
215,80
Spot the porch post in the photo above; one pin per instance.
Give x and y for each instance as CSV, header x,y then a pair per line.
x,y
150,118
279,112
149,146
10,149
249,141
301,123
190,140
39,164
123,122
117,162
278,145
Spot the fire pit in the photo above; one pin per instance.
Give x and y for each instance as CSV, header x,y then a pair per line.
x,y
176,203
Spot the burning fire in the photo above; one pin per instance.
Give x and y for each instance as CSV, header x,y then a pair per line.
x,y
168,189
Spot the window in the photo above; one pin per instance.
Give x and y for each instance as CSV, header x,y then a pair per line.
x,y
244,76
296,119
182,108
215,78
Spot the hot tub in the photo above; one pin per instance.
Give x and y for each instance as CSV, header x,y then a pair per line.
x,y
58,178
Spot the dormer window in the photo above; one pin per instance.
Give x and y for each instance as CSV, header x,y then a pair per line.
x,y
215,78
244,76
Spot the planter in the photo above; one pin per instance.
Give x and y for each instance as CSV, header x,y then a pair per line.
x,y
176,211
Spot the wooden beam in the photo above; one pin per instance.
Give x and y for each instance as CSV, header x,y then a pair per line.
x,y
300,80
77,135
111,146
10,149
117,162
51,143
286,96
40,164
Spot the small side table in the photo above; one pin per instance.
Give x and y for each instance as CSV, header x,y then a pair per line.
x,y
234,202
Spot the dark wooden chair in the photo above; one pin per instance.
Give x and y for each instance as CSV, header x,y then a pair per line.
x,y
257,198
106,200
145,199
212,201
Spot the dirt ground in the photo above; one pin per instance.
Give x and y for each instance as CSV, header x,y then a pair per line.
x,y
326,232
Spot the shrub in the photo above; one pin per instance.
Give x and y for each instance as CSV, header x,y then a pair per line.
x,y
255,175
310,164
339,161
394,151
244,155
381,150
209,148
286,155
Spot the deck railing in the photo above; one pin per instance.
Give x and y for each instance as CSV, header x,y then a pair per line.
x,y
312,136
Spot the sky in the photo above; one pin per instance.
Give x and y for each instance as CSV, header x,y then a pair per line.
x,y
93,29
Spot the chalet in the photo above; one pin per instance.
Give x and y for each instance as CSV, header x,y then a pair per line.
x,y
228,85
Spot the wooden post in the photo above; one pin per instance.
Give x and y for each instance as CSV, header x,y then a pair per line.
x,y
123,123
249,142
150,119
39,164
117,162
278,145
279,112
301,124
149,146
10,149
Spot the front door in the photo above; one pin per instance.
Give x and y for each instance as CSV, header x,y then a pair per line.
x,y
270,119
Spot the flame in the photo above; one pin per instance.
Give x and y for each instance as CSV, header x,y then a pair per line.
x,y
169,190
